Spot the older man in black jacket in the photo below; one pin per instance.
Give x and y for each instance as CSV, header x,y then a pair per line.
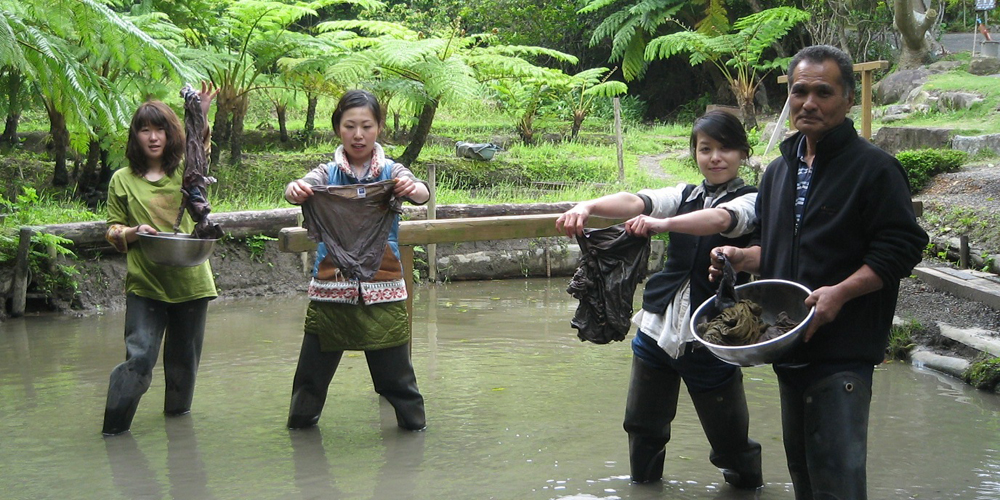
x,y
834,213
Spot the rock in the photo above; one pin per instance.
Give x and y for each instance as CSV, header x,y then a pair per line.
x,y
984,66
895,86
957,101
896,139
974,144
944,66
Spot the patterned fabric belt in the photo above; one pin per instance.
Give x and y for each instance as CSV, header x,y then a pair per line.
x,y
350,292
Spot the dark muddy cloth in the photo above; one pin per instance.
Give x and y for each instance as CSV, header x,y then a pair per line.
x,y
195,183
612,264
353,222
725,296
741,324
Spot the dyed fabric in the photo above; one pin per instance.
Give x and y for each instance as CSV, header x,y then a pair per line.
x,y
196,180
612,263
354,223
346,327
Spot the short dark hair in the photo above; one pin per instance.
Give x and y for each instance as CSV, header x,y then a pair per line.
x,y
821,53
157,114
355,99
723,127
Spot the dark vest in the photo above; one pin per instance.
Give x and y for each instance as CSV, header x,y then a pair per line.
x,y
688,256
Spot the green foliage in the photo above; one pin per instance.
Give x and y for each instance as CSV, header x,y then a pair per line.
x,y
901,340
923,164
984,375
630,27
739,55
257,243
632,109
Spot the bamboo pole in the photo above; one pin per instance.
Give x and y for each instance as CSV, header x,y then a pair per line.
x,y
618,140
431,214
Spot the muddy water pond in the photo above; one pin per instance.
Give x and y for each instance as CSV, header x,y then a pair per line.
x,y
517,408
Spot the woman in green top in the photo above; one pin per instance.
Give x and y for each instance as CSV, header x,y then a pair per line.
x,y
162,303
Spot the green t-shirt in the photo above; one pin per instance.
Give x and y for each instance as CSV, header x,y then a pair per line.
x,y
132,200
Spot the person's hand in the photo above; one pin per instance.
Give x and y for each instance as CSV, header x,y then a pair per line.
x,y
734,255
828,302
646,226
145,229
298,191
572,222
208,92
405,188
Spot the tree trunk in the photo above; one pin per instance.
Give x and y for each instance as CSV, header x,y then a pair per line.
x,y
12,87
59,135
578,116
236,134
221,126
87,180
310,113
420,133
915,50
281,111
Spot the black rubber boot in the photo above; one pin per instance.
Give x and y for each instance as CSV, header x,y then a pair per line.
x,y
312,381
836,437
726,421
145,321
182,353
393,377
649,410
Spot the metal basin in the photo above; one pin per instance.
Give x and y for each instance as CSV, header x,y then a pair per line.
x,y
774,296
175,249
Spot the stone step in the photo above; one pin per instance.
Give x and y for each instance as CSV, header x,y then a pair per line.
x,y
966,283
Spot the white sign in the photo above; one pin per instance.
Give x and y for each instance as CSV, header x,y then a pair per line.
x,y
986,4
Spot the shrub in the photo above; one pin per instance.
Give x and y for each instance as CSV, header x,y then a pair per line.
x,y
923,164
984,374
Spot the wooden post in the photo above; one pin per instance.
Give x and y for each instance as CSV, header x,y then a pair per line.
x,y
618,139
963,252
866,104
431,215
21,272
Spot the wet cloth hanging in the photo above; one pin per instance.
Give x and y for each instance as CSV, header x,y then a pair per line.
x,y
612,264
195,183
353,221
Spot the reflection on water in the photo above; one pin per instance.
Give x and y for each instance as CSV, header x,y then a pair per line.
x,y
517,408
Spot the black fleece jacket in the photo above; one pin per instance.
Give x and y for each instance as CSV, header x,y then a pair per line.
x,y
858,211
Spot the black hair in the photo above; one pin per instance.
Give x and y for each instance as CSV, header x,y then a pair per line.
x,y
723,127
157,114
821,53
356,99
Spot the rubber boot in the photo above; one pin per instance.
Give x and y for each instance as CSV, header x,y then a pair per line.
x,y
726,421
145,321
650,408
393,377
182,353
312,381
836,436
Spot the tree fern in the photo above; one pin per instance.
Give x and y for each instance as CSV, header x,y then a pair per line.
x,y
736,55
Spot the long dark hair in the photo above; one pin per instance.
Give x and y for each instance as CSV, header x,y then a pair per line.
x,y
356,99
723,127
156,114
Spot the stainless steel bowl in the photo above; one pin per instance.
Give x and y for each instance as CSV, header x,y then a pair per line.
x,y
774,296
175,249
